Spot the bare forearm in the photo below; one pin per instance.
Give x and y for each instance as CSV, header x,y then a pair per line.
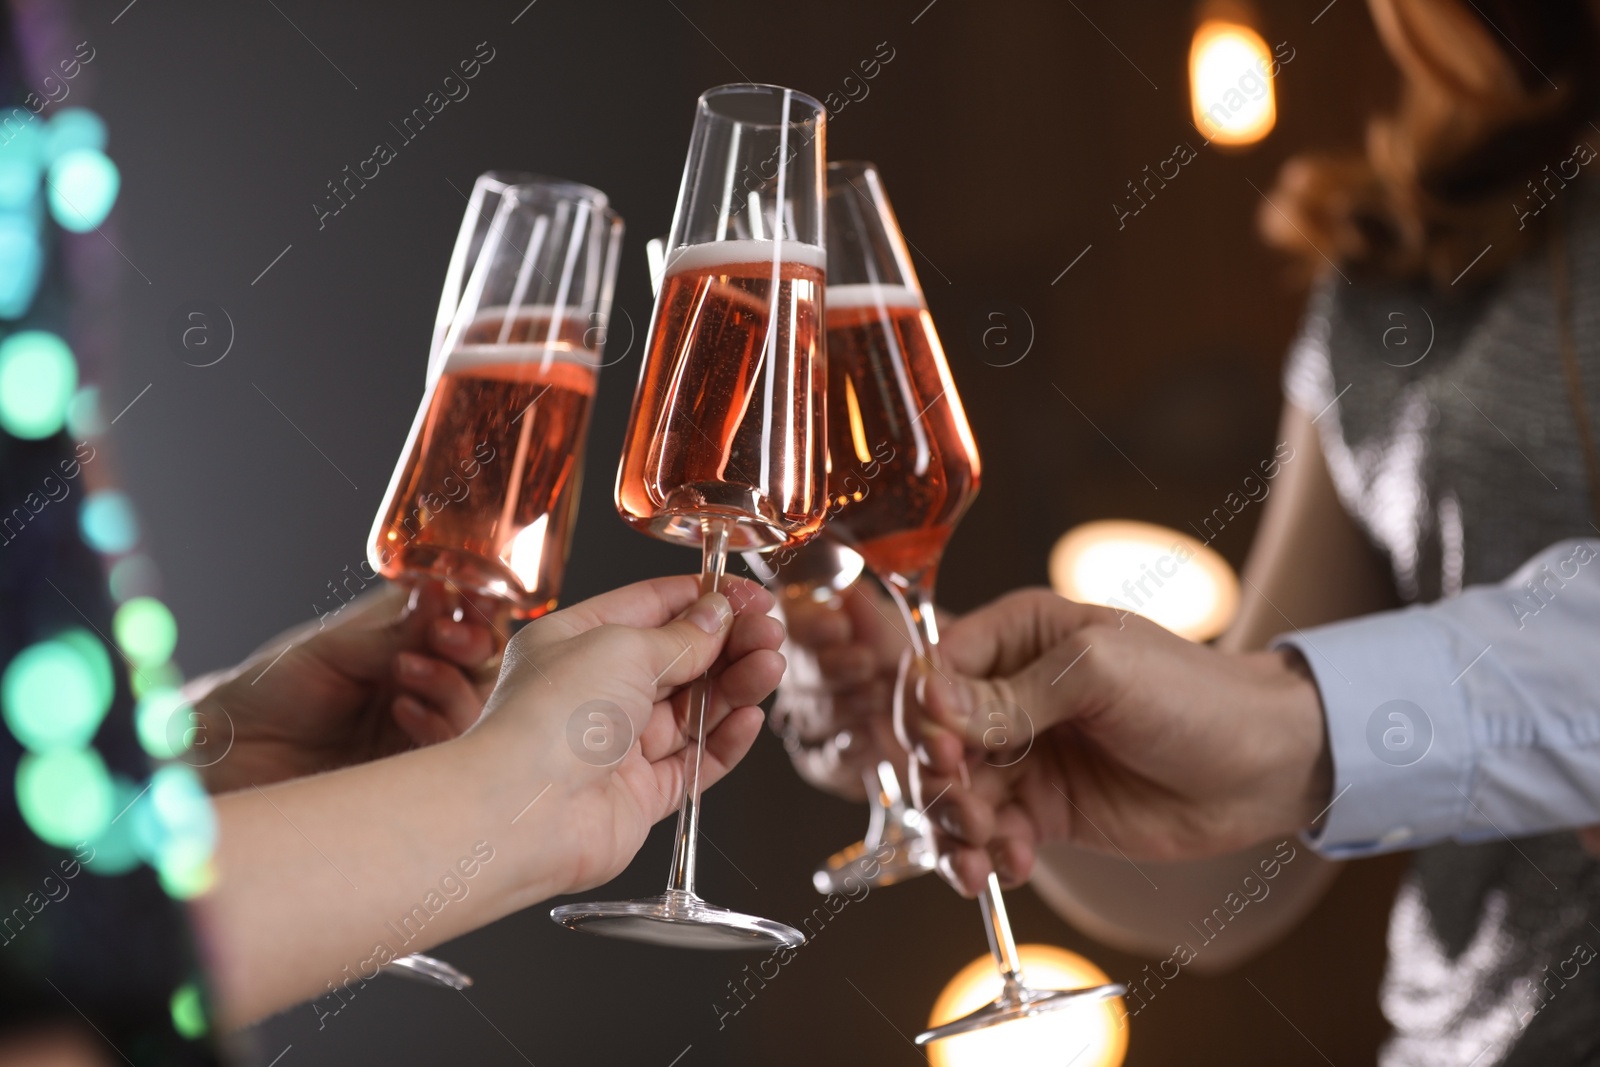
x,y
324,879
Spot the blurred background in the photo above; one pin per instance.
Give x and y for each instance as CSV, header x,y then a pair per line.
x,y
1113,366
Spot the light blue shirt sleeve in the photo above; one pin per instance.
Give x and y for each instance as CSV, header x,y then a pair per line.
x,y
1473,718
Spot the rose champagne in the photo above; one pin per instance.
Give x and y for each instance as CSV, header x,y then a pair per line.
x,y
487,495
728,420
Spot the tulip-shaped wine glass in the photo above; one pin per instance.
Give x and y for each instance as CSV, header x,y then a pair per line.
x,y
896,420
726,446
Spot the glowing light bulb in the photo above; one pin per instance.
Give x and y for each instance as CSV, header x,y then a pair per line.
x,y
1168,577
1230,83
1087,1035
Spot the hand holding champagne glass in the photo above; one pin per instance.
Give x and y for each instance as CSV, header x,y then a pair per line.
x,y
726,447
486,490
897,420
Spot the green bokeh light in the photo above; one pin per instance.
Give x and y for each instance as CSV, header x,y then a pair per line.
x,y
55,694
65,796
84,418
153,716
108,523
185,869
188,1011
37,378
114,850
145,631
83,186
175,829
162,676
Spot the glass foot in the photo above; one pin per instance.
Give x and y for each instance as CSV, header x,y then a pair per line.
x,y
1020,1002
868,863
679,920
896,848
428,970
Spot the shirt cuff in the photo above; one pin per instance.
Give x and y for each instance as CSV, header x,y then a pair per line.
x,y
1397,729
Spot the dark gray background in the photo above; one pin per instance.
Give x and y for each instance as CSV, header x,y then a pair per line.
x,y
1005,130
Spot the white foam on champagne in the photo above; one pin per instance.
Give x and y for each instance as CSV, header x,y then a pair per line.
x,y
716,253
484,353
873,295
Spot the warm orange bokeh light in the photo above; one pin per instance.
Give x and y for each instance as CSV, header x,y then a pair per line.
x,y
1165,575
1230,83
1089,1035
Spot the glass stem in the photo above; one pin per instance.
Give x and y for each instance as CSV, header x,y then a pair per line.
x,y
714,539
1001,944
885,802
915,600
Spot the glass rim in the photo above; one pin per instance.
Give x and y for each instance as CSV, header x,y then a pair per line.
x,y
853,166
820,112
536,187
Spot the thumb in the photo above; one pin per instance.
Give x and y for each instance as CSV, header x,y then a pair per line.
x,y
685,648
1000,715
944,715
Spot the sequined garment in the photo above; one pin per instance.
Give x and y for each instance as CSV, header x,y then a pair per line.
x,y
1448,429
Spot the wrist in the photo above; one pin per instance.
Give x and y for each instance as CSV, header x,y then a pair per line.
x,y
1311,755
519,794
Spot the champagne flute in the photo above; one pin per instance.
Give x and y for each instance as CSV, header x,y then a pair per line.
x,y
726,447
898,423
505,350
820,569
485,493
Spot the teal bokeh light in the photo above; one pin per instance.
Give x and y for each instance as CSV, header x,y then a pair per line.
x,y
83,186
37,379
108,523
72,129
55,694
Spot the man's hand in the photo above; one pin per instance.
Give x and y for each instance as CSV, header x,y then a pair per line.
x,y
834,706
394,671
1142,742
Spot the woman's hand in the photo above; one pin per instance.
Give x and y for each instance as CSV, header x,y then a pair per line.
x,y
580,751
834,709
392,672
593,702
1142,742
